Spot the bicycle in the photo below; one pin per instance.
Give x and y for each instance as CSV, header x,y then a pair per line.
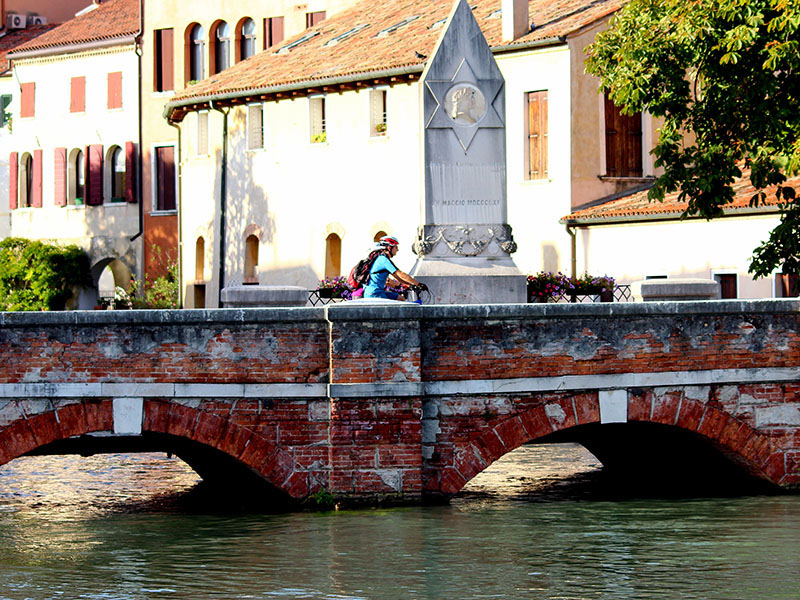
x,y
417,294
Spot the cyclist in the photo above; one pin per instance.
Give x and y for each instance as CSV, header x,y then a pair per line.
x,y
383,268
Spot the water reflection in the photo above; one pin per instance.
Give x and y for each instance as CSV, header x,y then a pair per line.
x,y
117,527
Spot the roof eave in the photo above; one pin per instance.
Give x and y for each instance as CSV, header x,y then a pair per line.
x,y
673,216
512,47
173,108
72,48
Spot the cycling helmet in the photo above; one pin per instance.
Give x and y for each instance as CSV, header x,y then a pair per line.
x,y
389,241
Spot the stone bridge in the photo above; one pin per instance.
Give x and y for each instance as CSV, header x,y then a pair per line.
x,y
407,403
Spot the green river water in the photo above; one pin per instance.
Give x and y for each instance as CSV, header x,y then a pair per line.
x,y
540,523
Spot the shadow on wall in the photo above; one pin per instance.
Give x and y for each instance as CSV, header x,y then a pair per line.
x,y
248,212
550,258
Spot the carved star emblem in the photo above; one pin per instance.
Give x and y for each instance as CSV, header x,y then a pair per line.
x,y
464,88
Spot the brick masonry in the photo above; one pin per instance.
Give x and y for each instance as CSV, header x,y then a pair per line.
x,y
399,403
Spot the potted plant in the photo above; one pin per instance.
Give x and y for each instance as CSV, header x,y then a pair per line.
x,y
334,287
587,285
546,286
380,128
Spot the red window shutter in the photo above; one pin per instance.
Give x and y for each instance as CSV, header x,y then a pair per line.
x,y
164,61
13,172
273,31
95,174
60,176
77,95
165,172
130,172
36,199
115,90
27,100
623,142
313,18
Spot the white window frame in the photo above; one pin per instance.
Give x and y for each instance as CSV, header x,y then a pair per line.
x,y
313,130
201,116
254,148
715,272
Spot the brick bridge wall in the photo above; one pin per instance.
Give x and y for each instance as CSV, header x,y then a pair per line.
x,y
403,402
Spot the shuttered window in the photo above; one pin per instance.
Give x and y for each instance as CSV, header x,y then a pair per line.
x,y
255,127
36,187
273,31
77,94
5,115
165,178
115,90
377,112
623,142
313,18
727,285
27,100
130,172
163,77
13,187
94,185
60,176
202,134
318,128
536,137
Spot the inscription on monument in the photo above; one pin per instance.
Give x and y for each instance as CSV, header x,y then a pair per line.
x,y
464,192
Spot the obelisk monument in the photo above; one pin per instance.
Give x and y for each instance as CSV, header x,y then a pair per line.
x,y
464,246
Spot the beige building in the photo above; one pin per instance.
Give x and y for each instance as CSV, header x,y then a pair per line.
x,y
320,151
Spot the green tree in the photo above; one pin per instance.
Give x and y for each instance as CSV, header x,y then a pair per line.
x,y
728,73
36,275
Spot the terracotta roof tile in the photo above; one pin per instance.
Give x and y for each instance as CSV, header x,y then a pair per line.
x,y
636,206
111,19
406,48
17,37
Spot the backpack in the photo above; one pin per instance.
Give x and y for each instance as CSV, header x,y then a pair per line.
x,y
359,275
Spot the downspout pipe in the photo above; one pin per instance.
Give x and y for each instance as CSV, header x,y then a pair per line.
x,y
140,151
179,166
223,193
573,250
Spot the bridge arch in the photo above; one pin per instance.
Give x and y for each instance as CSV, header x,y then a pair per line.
x,y
577,418
215,447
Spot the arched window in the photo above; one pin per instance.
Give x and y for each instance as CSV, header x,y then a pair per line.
x,y
378,236
250,259
245,39
200,259
76,177
333,255
115,173
222,47
195,52
26,181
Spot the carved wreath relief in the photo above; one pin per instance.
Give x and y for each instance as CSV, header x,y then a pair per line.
x,y
464,240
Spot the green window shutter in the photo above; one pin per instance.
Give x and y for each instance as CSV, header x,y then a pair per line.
x,y
5,100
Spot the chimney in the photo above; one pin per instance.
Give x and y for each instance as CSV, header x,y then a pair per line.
x,y
515,19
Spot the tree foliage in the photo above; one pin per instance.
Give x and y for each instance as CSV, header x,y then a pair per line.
x,y
725,77
36,275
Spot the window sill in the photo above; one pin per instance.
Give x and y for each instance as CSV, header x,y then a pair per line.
x,y
163,213
543,181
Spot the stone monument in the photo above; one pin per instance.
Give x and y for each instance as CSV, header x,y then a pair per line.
x,y
464,247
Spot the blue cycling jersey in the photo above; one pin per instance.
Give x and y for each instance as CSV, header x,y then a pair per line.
x,y
378,274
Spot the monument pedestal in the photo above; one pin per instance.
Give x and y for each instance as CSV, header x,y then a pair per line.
x,y
477,280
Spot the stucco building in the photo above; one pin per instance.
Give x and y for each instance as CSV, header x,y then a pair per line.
x,y
317,142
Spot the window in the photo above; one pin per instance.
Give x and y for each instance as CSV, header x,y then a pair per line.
x,y
76,178
377,112
200,259
250,259
347,34
288,47
396,26
245,39
623,142
115,90
727,285
536,135
5,116
201,148
787,286
314,18
333,255
116,164
26,181
222,47
27,100
317,117
163,78
195,53
77,95
255,126
60,176
273,31
164,180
